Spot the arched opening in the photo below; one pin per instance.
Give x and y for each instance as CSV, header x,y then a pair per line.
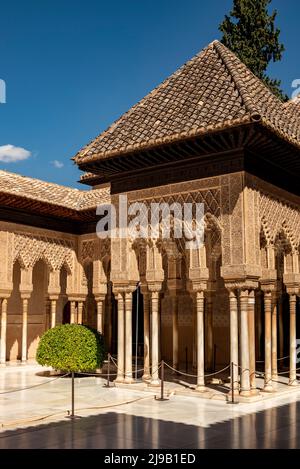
x,y
37,306
14,318
216,320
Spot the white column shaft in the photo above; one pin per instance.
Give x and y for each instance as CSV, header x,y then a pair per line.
x,y
24,328
200,341
100,322
245,356
175,334
121,331
128,336
234,340
79,313
53,313
155,342
3,331
268,346
146,374
293,343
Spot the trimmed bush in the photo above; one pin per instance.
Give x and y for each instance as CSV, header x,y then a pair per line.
x,y
71,347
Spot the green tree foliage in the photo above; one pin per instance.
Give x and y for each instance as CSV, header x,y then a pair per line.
x,y
250,33
71,347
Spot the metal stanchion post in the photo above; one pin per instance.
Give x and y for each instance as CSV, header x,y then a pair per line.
x,y
232,401
162,379
107,385
72,414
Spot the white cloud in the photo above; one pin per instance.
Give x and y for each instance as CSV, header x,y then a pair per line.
x,y
12,154
57,164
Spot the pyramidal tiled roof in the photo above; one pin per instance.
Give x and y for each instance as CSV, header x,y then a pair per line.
x,y
211,91
13,184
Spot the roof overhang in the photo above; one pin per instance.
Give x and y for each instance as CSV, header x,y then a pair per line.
x,y
256,140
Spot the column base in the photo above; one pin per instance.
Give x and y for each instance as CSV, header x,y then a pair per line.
x,y
129,380
275,377
154,383
23,362
2,365
254,392
200,388
119,379
146,377
268,388
246,393
293,382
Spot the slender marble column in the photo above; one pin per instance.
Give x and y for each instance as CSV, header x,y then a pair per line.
x,y
245,356
79,313
146,374
128,342
274,338
109,318
73,312
258,335
100,322
53,313
121,331
200,341
209,331
280,330
251,323
268,387
155,343
234,340
175,334
3,331
293,343
24,329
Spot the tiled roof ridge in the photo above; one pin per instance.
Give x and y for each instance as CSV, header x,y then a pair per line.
x,y
224,55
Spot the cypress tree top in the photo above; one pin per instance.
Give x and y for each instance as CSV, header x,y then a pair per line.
x,y
250,32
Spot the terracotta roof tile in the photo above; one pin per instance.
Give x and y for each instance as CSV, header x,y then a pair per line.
x,y
49,193
213,89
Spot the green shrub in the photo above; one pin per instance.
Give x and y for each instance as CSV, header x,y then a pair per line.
x,y
71,347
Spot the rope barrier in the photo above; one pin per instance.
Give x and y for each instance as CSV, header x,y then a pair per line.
x,y
96,375
278,359
196,376
34,385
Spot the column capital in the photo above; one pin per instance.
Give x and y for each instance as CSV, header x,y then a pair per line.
x,y
77,297
120,287
5,294
25,295
268,286
53,297
195,286
292,283
100,298
154,287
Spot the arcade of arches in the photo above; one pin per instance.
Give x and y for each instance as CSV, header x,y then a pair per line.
x,y
238,292
211,133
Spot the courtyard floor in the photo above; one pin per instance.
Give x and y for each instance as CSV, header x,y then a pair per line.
x,y
132,418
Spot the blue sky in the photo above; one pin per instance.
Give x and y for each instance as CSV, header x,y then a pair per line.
x,y
72,67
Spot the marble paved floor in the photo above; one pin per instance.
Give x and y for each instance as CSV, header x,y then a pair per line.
x,y
180,422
